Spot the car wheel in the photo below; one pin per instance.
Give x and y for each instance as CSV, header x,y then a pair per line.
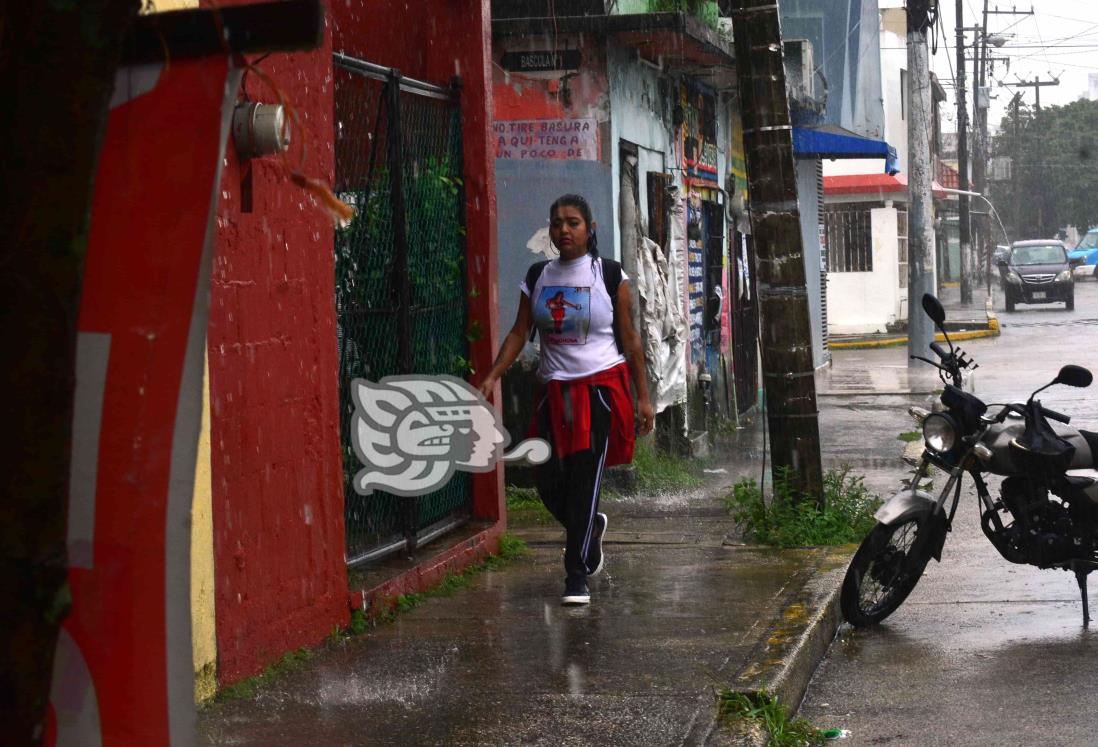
x,y
1069,304
1096,272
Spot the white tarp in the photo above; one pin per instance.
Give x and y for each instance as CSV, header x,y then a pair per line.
x,y
662,321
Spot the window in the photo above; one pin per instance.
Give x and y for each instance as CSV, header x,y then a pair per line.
x,y
901,244
849,238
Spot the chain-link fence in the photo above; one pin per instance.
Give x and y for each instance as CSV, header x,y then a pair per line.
x,y
400,274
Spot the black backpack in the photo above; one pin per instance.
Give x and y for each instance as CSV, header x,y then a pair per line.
x,y
611,278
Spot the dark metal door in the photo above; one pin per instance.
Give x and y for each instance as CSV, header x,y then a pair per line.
x,y
400,278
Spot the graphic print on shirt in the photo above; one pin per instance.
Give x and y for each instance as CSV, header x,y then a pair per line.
x,y
563,314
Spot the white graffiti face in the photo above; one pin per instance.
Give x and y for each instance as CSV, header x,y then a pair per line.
x,y
411,433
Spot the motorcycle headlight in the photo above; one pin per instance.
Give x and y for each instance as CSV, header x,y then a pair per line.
x,y
939,432
1013,277
1065,275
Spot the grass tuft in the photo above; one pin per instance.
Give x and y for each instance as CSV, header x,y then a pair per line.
x,y
657,472
910,436
247,688
792,520
524,507
768,713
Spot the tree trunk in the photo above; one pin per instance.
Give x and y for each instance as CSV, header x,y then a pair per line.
x,y
786,340
57,67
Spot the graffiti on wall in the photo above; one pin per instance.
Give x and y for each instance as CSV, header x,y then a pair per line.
x,y
547,139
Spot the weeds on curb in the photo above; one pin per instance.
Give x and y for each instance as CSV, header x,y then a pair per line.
x,y
510,547
910,436
769,714
246,688
793,520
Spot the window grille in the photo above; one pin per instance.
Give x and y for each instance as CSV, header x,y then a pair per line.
x,y
849,238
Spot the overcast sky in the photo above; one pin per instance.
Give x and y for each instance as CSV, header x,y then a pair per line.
x,y
1060,40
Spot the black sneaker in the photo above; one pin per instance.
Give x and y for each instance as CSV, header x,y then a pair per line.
x,y
594,553
575,592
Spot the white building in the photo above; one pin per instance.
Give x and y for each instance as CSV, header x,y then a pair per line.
x,y
865,209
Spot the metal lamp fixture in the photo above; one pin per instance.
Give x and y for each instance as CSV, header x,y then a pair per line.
x,y
260,129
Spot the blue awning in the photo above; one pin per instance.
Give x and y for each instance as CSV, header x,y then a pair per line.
x,y
828,141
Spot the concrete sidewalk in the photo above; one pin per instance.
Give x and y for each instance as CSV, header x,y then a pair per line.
x,y
683,610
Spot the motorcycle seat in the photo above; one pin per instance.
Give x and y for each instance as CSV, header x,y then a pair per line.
x,y
1085,481
1092,442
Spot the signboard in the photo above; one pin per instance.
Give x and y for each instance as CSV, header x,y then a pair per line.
x,y
547,139
541,60
123,672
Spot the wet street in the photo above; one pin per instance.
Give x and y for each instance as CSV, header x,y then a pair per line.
x,y
983,652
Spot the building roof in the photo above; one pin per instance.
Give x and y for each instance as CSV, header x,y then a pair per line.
x,y
868,184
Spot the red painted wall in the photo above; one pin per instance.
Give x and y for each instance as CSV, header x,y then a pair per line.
x,y
448,38
280,576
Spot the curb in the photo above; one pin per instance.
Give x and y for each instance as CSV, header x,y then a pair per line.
x,y
794,644
892,342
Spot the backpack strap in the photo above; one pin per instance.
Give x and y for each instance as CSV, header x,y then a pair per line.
x,y
611,278
532,276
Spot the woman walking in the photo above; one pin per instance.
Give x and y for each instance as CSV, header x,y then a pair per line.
x,y
580,306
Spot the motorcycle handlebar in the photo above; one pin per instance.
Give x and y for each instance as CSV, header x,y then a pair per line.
x,y
1021,410
939,350
1053,415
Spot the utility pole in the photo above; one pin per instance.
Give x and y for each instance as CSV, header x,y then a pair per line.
x,y
1036,84
786,339
1015,193
920,216
979,169
962,162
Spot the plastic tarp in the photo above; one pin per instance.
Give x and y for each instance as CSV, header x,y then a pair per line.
x,y
662,321
829,141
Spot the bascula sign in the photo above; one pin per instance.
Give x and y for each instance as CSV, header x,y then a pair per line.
x,y
540,61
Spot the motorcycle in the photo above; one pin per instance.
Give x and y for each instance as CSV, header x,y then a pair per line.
x,y
1044,516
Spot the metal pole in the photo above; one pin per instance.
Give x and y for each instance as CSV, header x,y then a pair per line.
x,y
786,338
920,222
962,162
402,288
400,279
982,149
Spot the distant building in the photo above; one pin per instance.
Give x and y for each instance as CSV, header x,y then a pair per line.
x,y
1092,86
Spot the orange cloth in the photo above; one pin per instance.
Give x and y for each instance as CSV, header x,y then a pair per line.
x,y
570,428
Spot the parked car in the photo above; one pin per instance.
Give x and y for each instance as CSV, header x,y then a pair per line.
x,y
1086,253
1037,272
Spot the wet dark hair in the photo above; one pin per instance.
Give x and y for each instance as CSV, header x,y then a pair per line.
x,y
579,203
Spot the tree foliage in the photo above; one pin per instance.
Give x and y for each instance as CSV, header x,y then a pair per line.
x,y
1054,181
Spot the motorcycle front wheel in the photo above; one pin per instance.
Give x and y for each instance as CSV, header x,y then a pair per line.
x,y
876,582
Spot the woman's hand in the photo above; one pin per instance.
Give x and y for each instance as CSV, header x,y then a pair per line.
x,y
646,417
487,386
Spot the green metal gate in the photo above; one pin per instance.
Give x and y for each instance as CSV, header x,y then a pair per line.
x,y
400,274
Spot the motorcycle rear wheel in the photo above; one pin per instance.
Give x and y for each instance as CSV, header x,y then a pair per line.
x,y
876,583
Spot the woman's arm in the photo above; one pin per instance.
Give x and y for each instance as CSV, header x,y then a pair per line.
x,y
634,354
512,345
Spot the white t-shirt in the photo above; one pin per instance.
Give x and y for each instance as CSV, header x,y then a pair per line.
x,y
574,318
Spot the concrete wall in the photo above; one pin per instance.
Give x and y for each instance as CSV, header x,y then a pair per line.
x,y
526,187
276,472
864,302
